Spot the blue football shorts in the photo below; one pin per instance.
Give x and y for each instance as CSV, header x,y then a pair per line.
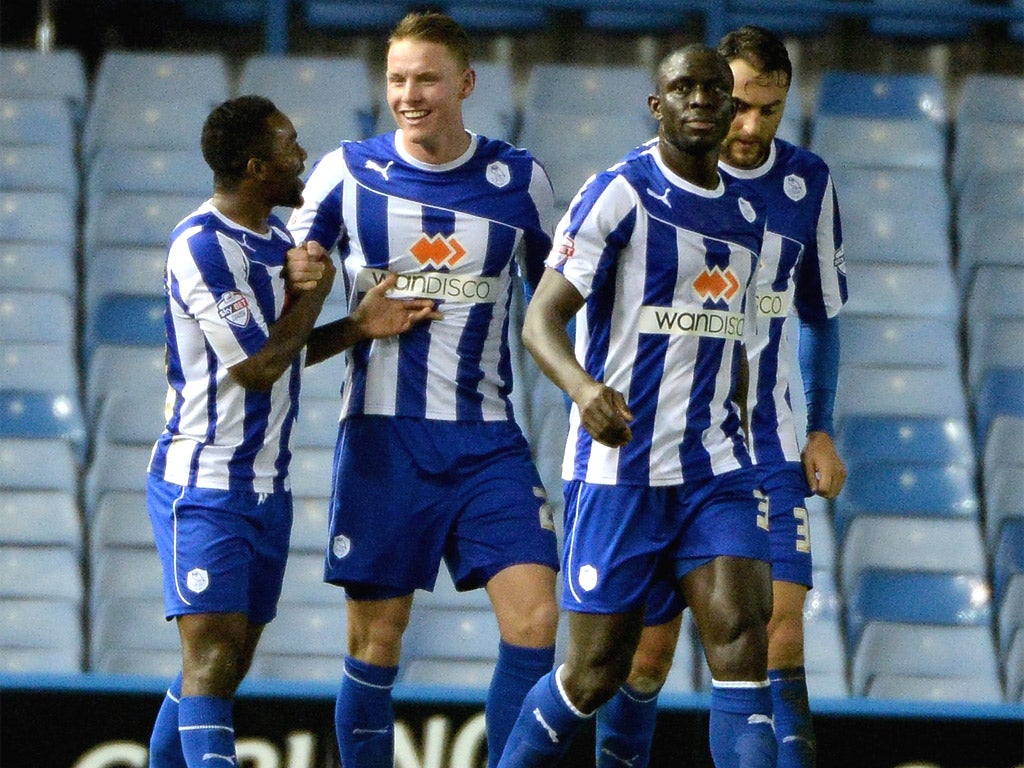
x,y
410,492
789,531
621,540
222,551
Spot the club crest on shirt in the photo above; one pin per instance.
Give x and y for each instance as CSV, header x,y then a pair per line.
x,y
197,580
747,210
234,308
498,174
794,187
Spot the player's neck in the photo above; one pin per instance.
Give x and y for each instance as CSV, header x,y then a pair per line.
x,y
437,150
242,210
700,169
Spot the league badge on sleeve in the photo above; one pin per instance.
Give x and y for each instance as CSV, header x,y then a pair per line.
x,y
234,308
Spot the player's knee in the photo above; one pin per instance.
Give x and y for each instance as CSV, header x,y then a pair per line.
x,y
785,641
650,668
213,669
377,641
532,625
592,683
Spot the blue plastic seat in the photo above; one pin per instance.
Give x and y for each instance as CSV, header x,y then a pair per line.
x,y
24,266
37,518
990,98
901,96
304,642
39,367
992,296
130,636
992,193
922,625
910,542
883,489
980,689
133,218
118,520
297,85
117,467
125,369
999,346
784,17
37,317
38,167
126,320
899,236
899,342
878,143
912,19
46,121
317,425
353,16
587,90
1004,446
1008,581
40,573
918,190
900,392
41,415
902,290
41,636
123,270
1013,666
988,146
38,464
310,472
498,16
38,217
54,74
491,109
988,240
824,650
1004,502
905,440
462,640
1000,391
150,169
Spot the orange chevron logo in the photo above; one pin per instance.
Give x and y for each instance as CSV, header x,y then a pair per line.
x,y
438,250
716,284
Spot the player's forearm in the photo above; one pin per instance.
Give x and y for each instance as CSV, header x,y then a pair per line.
x,y
328,340
819,366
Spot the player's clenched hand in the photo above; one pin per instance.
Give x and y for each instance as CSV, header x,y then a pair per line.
x,y
604,414
306,266
824,470
378,316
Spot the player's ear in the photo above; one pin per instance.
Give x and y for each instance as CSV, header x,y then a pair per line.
x,y
468,83
654,104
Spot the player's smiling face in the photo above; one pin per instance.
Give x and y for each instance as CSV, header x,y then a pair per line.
x,y
426,86
694,101
760,100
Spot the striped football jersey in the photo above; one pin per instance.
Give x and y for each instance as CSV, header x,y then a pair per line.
x,y
458,233
224,288
801,269
667,273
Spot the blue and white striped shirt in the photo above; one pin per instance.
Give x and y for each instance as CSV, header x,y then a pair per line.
x,y
667,272
802,268
458,233
224,289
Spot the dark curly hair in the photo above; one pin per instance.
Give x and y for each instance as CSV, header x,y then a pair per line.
x,y
235,132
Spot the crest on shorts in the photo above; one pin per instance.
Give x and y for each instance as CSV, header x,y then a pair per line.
x,y
234,308
587,577
794,187
197,580
341,545
498,174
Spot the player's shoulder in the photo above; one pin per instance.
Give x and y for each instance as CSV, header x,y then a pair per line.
x,y
791,158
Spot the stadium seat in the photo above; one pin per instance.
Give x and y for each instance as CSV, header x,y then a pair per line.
x,y
306,641
127,369
912,19
463,640
42,415
123,270
988,240
823,540
150,169
317,424
497,17
129,418
1014,668
116,467
906,440
988,146
1004,501
899,96
1001,346
1000,391
37,317
131,636
32,121
784,17
892,542
58,74
39,367
125,574
40,636
491,109
922,624
990,98
884,489
587,90
325,378
982,689
573,148
166,96
126,320
39,168
348,16
24,266
900,392
310,473
37,217
134,218
992,193
298,84
1008,581
887,341
40,573
304,582
40,518
1004,445
36,464
309,523
899,236
992,295
824,654
119,520
918,190
878,143
902,290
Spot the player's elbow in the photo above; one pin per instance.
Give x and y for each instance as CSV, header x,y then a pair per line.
x,y
253,376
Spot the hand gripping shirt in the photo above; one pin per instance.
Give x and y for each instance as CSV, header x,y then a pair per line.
x,y
666,269
224,289
801,269
457,233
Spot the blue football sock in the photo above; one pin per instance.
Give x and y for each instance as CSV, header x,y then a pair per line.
x,y
625,729
794,731
165,741
544,729
207,731
363,717
741,730
516,672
